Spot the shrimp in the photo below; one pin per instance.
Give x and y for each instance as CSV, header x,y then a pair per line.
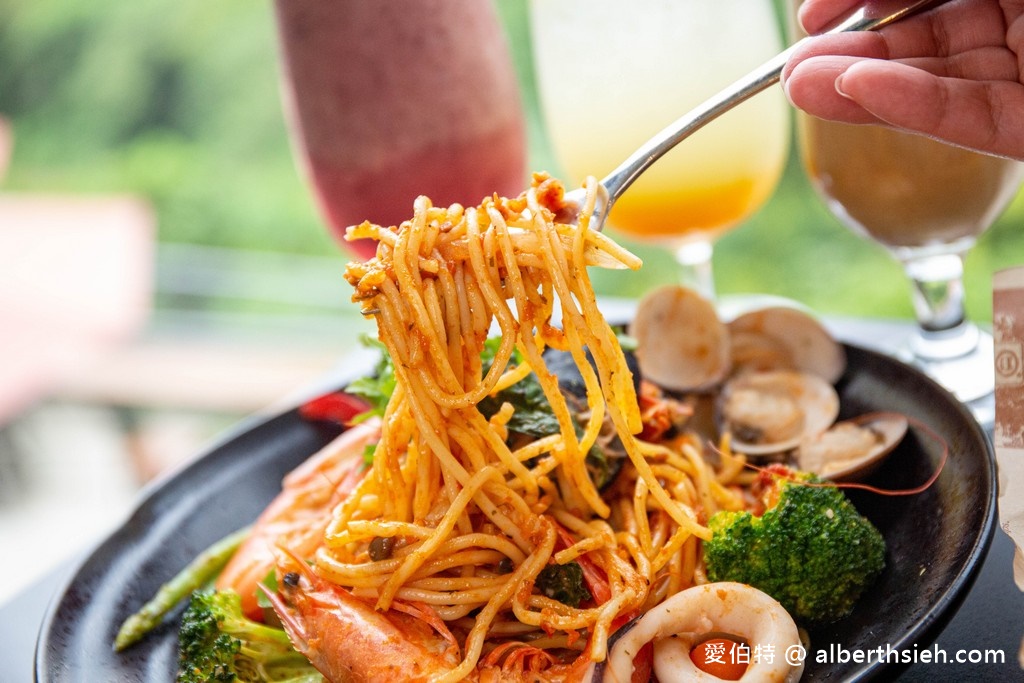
x,y
680,623
346,639
298,517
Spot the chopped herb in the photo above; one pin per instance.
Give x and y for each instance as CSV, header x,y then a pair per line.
x,y
564,583
368,453
600,469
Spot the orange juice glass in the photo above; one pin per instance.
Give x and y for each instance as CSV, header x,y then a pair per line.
x,y
611,74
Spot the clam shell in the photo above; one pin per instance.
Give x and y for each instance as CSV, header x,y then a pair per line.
x,y
852,449
753,351
781,337
772,412
681,343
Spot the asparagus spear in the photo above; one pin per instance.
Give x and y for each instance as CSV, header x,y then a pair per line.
x,y
198,573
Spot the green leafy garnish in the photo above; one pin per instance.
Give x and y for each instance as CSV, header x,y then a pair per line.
x,y
378,387
270,581
533,415
626,342
490,350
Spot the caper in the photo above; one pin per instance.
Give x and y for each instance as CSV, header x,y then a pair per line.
x,y
381,548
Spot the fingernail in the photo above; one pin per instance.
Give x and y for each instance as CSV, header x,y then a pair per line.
x,y
784,83
839,85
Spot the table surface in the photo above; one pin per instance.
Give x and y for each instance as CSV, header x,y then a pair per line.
x,y
991,618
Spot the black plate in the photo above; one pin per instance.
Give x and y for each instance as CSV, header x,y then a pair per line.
x,y
936,540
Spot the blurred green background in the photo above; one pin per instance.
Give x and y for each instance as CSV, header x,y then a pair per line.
x,y
178,101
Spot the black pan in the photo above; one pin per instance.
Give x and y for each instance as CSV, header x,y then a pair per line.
x,y
936,540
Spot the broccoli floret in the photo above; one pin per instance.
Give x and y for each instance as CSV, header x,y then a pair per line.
x,y
810,550
219,643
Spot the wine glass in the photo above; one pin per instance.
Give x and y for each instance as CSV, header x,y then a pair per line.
x,y
925,202
388,100
610,74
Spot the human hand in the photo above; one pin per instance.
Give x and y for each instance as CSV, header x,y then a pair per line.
x,y
952,73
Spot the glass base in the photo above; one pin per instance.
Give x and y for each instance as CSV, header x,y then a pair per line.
x,y
984,411
962,361
695,271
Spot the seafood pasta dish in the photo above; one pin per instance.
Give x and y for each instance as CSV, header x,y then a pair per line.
x,y
523,491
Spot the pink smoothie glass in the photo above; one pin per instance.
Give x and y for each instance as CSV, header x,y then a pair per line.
x,y
391,99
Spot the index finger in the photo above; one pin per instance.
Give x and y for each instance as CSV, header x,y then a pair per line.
x,y
817,15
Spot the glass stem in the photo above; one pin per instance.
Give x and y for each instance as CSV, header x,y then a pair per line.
x,y
695,261
938,296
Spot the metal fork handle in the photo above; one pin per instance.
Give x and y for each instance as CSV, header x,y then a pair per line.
x,y
874,14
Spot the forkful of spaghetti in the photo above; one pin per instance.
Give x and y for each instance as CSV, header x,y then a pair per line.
x,y
522,225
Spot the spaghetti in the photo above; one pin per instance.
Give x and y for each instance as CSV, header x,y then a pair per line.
x,y
457,521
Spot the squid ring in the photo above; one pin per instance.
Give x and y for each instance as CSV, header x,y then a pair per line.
x,y
683,621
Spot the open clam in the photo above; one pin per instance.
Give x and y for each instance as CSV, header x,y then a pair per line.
x,y
681,343
781,337
853,448
772,412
